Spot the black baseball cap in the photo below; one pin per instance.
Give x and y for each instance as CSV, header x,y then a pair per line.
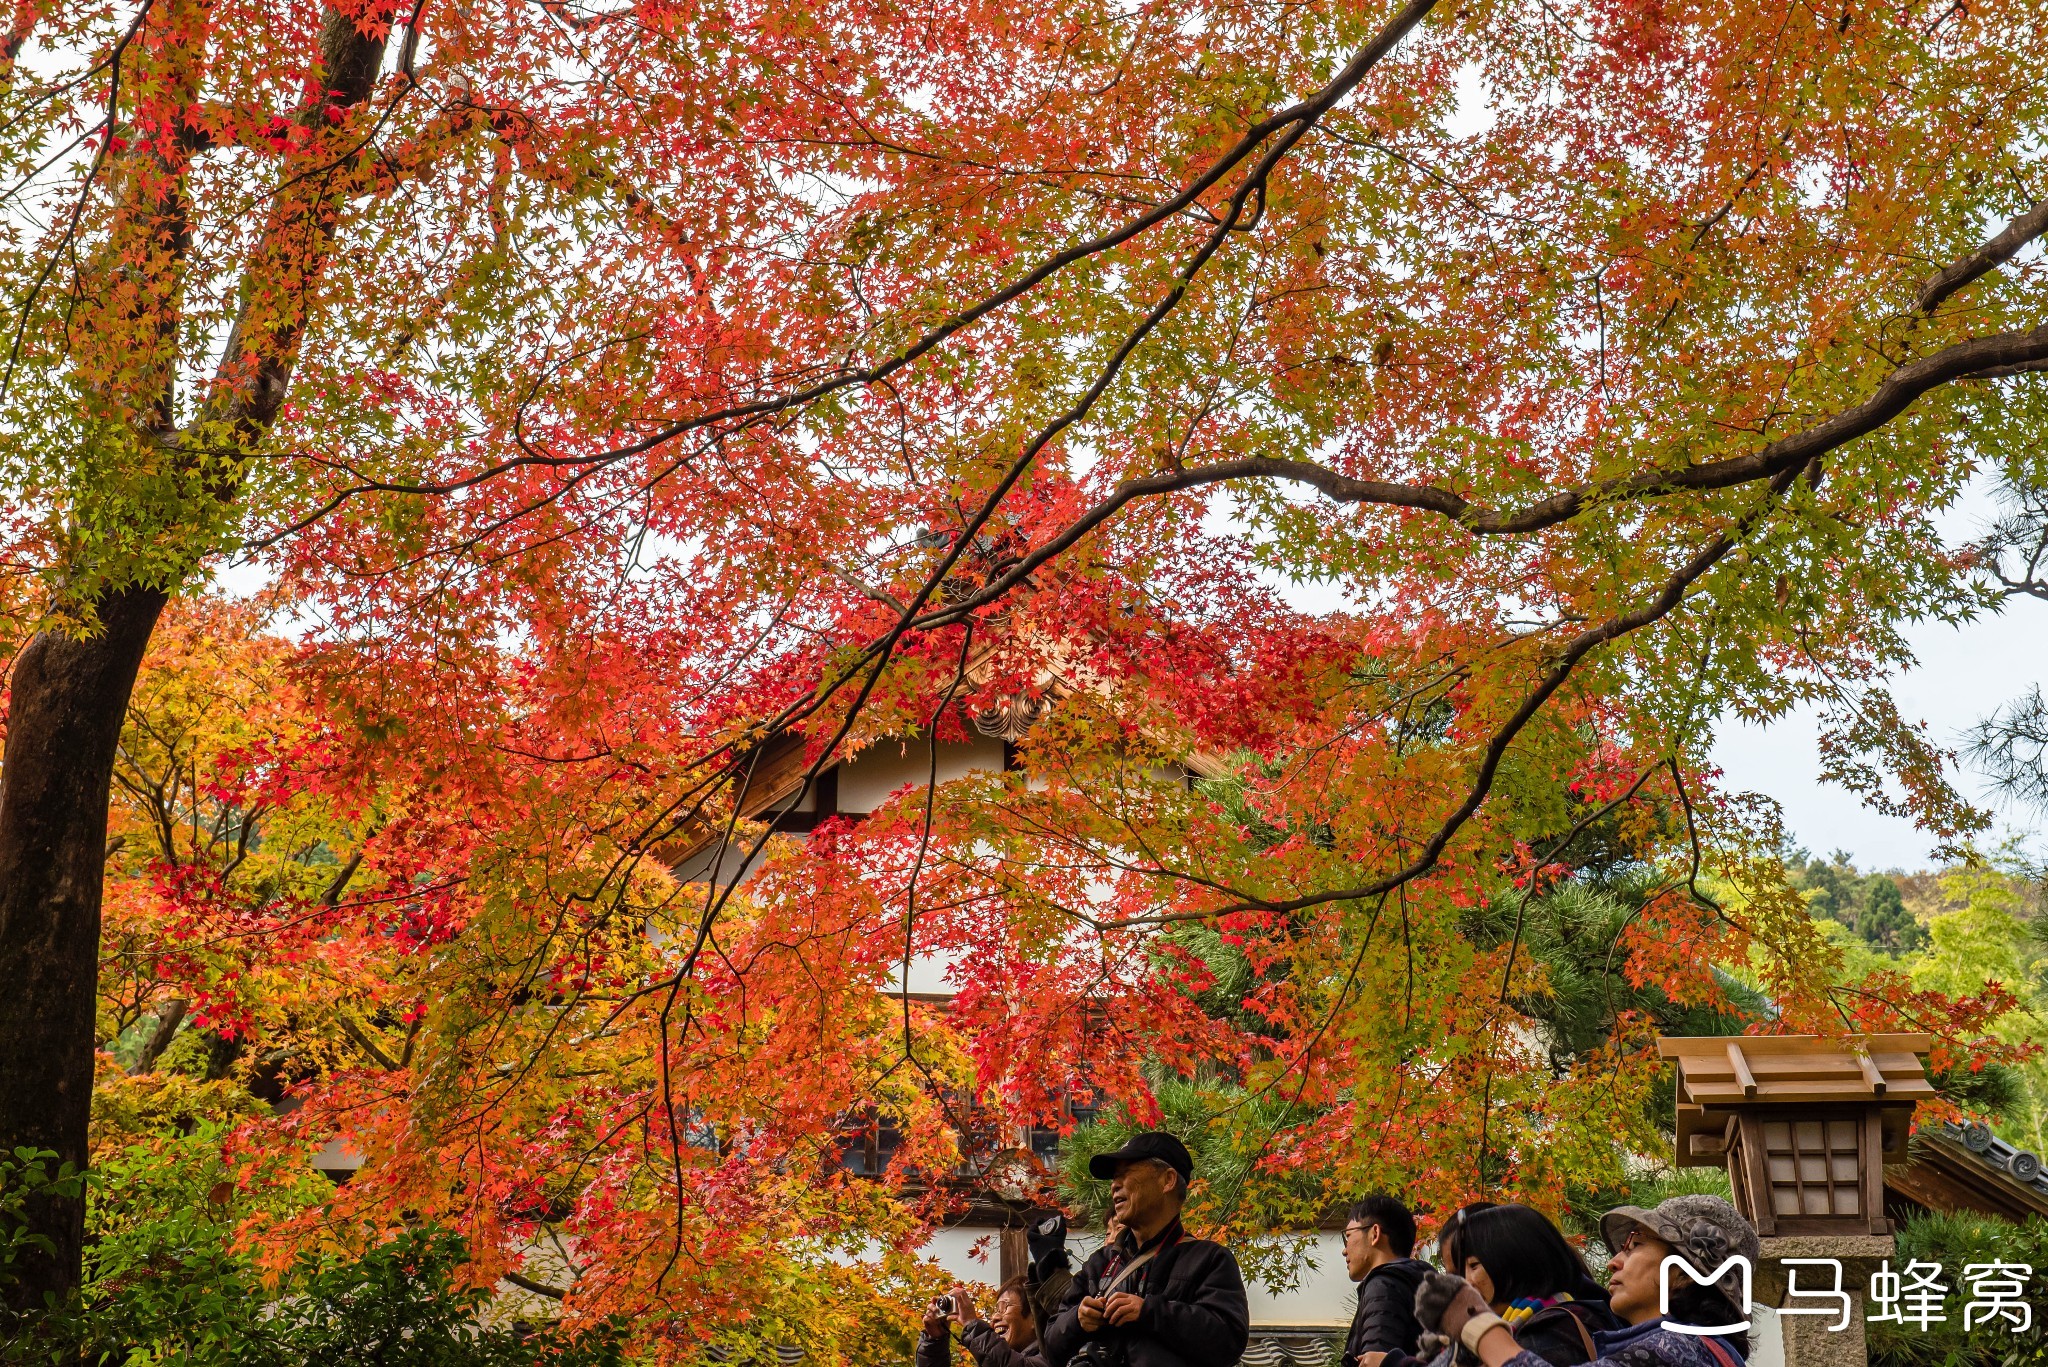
x,y
1153,1144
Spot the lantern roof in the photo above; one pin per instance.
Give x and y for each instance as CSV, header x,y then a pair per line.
x,y
1722,1076
1725,1072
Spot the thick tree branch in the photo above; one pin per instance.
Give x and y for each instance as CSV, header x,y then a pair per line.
x,y
23,23
263,343
1992,254
537,1288
167,1023
2000,372
365,1043
1979,358
1553,678
332,892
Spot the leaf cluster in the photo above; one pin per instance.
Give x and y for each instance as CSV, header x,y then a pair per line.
x,y
167,1283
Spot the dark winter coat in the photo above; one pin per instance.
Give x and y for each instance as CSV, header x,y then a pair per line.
x,y
1551,1334
981,1340
1385,1322
1195,1315
1651,1344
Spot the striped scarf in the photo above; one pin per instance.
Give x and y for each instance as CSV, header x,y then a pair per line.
x,y
1523,1307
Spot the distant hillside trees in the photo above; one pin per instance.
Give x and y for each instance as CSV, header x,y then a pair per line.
x,y
1871,904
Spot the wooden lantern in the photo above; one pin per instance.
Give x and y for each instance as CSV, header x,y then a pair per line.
x,y
1803,1124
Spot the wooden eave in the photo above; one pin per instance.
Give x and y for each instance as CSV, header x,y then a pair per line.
x,y
1754,1070
1943,1175
777,778
775,781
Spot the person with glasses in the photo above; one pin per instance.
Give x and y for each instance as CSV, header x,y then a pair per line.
x,y
1704,1232
1379,1244
1007,1338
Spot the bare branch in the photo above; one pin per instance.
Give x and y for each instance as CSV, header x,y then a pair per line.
x,y
537,1288
365,1043
1986,258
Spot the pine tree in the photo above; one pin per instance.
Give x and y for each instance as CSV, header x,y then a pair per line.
x,y
1886,923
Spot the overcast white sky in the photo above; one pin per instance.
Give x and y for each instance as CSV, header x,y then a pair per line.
x,y
1963,674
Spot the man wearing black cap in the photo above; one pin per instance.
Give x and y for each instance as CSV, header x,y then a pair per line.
x,y
1154,1297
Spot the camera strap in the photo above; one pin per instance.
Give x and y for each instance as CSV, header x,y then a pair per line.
x,y
1128,1268
1147,1256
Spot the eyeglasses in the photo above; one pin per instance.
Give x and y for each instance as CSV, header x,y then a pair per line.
x,y
1360,1230
1633,1241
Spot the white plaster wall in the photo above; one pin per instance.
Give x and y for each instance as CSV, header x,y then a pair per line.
x,y
970,1255
698,868
1766,1338
928,973
882,768
1325,1296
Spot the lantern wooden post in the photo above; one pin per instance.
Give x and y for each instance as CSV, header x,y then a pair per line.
x,y
1804,1126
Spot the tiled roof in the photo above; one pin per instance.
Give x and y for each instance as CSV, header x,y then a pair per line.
x,y
2020,1165
1967,1167
1285,1348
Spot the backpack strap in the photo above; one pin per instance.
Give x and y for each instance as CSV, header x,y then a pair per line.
x,y
1721,1354
1585,1334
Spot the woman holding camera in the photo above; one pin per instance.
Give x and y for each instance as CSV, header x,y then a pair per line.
x,y
1007,1338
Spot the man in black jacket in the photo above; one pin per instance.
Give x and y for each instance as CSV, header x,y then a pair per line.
x,y
1379,1239
1155,1297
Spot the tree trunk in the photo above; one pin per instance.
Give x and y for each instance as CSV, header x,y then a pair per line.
x,y
69,698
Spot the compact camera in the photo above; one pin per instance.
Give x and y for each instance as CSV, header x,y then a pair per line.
x,y
944,1304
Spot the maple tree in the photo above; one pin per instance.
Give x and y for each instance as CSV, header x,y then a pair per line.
x,y
608,391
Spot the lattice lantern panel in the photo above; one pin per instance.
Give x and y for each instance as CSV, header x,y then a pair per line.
x,y
1802,1173
1812,1166
1804,1125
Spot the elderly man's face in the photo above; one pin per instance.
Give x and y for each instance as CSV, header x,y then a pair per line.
x,y
1142,1191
